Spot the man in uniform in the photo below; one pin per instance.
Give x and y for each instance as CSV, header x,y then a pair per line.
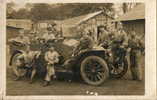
x,y
51,57
53,29
106,38
103,35
86,42
21,38
121,36
48,36
26,60
136,47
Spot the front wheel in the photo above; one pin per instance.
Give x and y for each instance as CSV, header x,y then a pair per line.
x,y
94,70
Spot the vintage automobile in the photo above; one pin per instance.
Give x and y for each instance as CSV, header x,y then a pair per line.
x,y
92,65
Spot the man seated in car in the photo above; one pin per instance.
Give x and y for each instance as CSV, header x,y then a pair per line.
x,y
51,57
86,42
21,38
48,35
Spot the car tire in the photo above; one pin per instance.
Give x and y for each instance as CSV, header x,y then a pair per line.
x,y
21,71
122,73
95,73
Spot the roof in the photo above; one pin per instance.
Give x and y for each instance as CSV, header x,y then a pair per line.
x,y
19,20
19,23
136,13
13,27
49,21
80,19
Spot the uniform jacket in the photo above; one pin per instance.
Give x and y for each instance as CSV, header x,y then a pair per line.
x,y
52,57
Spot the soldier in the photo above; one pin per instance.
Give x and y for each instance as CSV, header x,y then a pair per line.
x,y
121,38
51,57
26,60
24,40
135,46
48,36
32,36
53,29
21,38
103,35
86,42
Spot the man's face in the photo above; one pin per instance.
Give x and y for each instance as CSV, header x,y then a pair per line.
x,y
49,32
55,27
102,29
21,35
52,49
27,49
21,31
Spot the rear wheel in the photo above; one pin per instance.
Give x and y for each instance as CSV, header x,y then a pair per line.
x,y
20,71
118,70
94,70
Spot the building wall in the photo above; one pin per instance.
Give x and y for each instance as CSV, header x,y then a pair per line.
x,y
138,26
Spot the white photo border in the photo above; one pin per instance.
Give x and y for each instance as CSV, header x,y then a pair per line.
x,y
150,55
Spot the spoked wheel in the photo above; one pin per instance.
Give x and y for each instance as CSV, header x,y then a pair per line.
x,y
16,64
94,70
118,70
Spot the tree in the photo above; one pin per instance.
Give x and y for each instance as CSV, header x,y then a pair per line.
x,y
22,14
59,11
41,12
128,6
10,9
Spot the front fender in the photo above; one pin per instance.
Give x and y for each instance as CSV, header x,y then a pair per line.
x,y
85,53
97,50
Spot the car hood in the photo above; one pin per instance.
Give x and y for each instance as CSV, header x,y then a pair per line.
x,y
98,48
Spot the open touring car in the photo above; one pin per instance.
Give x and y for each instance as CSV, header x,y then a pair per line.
x,y
93,65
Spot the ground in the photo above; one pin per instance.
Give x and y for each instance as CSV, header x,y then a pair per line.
x,y
123,86
110,87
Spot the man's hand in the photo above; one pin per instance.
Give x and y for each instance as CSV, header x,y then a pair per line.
x,y
37,54
129,49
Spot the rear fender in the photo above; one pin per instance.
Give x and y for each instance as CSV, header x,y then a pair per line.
x,y
14,53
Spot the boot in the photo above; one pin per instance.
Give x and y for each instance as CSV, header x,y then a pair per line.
x,y
31,81
17,78
134,72
46,83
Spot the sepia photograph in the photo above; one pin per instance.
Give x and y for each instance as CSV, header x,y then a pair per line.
x,y
87,49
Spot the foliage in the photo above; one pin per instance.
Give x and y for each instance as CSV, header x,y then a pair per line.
x,y
128,6
58,11
10,9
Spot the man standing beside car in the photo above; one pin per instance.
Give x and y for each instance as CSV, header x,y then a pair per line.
x,y
136,47
26,60
51,57
22,39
